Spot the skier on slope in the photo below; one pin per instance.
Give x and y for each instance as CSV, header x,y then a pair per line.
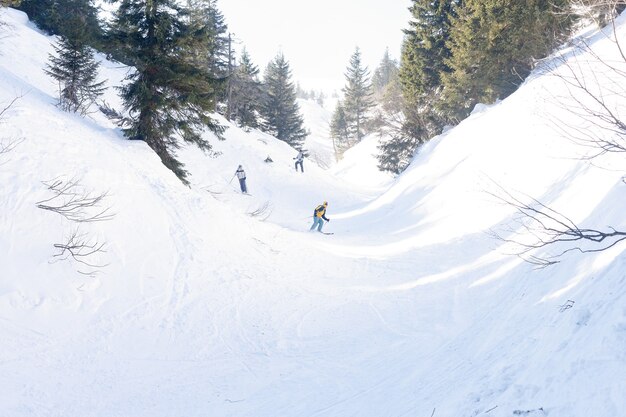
x,y
319,214
299,160
241,175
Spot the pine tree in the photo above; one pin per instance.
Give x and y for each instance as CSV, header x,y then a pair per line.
x,y
40,12
247,94
387,96
339,130
280,111
214,51
424,60
168,97
425,50
396,153
57,17
386,72
398,149
425,56
494,45
75,69
357,96
218,39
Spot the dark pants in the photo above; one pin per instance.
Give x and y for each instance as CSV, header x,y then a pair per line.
x,y
301,167
242,184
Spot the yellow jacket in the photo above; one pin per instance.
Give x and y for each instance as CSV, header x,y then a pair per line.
x,y
320,211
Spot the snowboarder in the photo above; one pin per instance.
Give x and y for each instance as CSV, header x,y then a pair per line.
x,y
319,214
241,174
299,160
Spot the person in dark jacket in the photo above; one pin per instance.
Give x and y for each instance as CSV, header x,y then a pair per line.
x,y
241,175
319,214
299,159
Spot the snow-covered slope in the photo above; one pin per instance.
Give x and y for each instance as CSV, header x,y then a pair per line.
x,y
214,303
318,144
358,166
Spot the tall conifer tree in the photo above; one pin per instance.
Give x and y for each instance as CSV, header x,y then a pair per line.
x,y
387,96
494,44
357,96
217,41
385,73
74,68
214,51
425,51
247,94
339,130
169,96
424,59
58,17
280,111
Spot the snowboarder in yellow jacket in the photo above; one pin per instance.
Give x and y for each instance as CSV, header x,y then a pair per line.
x,y
319,214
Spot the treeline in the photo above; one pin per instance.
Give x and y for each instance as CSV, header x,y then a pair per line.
x,y
185,69
456,53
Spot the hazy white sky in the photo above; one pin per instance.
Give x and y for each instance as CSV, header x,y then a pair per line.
x,y
317,37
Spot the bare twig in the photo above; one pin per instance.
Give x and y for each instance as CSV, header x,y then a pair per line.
x,y
598,11
526,412
79,247
8,144
73,202
208,189
8,106
262,212
545,226
593,89
568,304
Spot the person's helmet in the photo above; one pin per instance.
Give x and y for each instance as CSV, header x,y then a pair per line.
x,y
325,203
240,166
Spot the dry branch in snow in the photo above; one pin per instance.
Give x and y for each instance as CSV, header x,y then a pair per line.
x,y
78,205
73,202
539,226
80,248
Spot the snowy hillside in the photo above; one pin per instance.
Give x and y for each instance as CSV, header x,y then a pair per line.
x,y
206,302
358,166
318,144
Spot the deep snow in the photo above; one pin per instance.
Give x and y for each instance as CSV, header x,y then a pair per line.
x,y
217,304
